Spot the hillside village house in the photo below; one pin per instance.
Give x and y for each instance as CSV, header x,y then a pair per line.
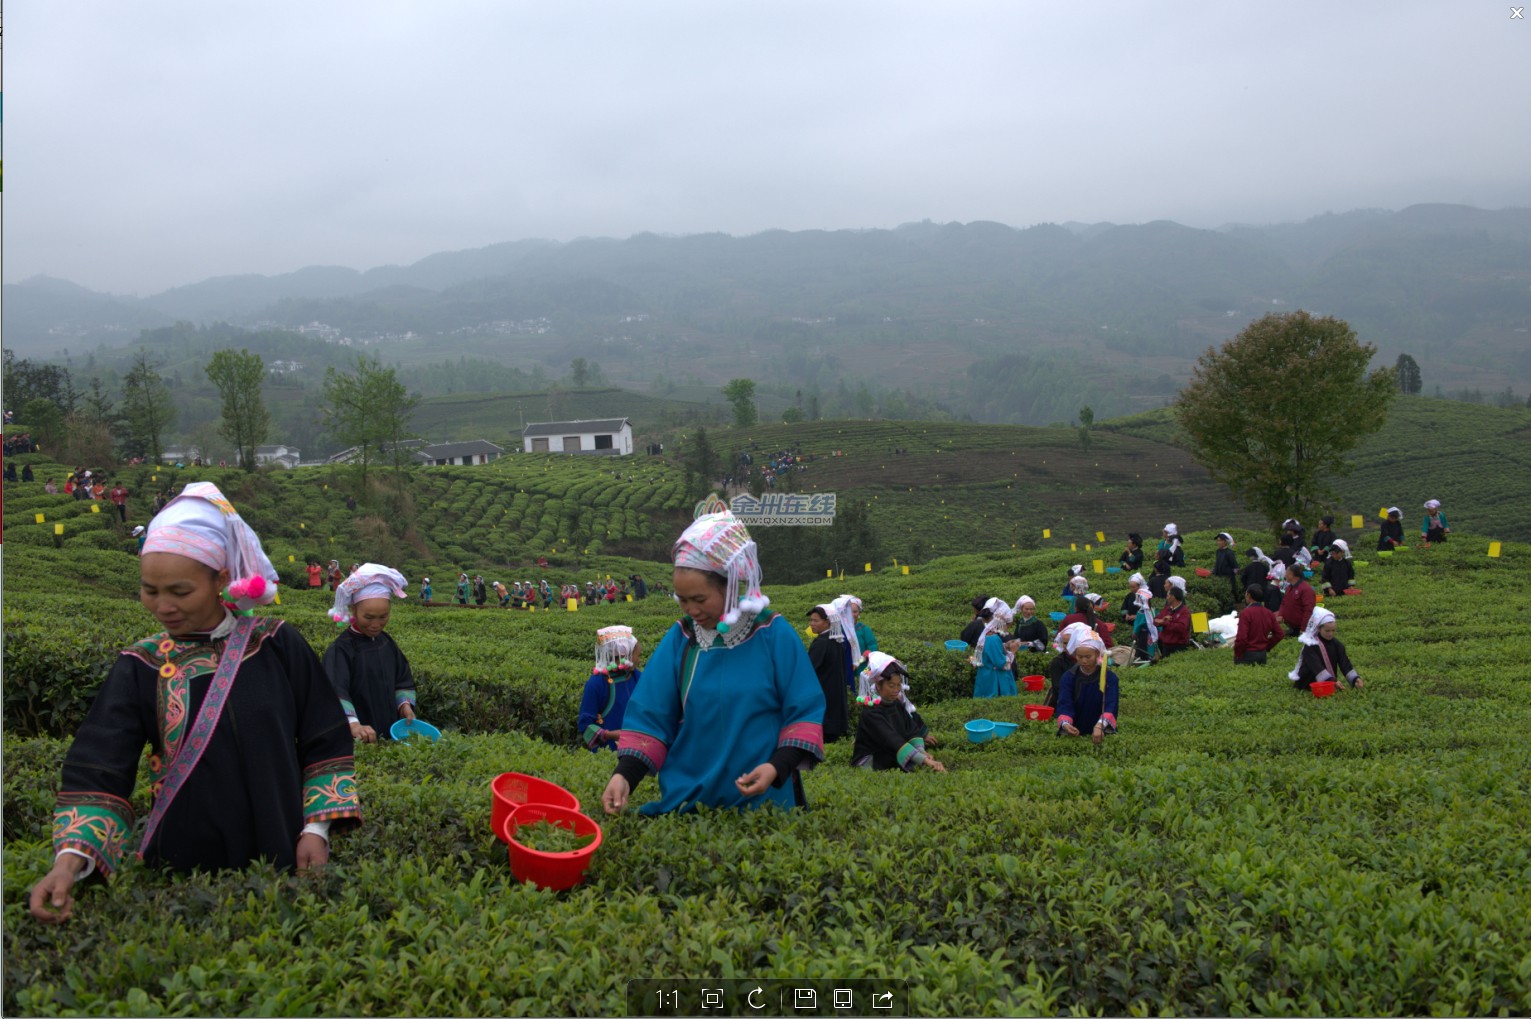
x,y
604,436
179,454
282,456
476,451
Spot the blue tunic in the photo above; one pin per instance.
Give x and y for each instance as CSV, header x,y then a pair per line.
x,y
594,715
994,678
743,703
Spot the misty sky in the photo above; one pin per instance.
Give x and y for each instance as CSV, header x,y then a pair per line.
x,y
156,143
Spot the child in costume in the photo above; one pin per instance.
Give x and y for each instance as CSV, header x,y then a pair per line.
x,y
609,688
890,733
1087,694
367,670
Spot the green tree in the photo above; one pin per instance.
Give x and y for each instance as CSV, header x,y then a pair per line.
x,y
26,380
579,372
1273,413
1086,419
701,462
148,411
1409,380
741,393
792,415
46,422
238,374
368,408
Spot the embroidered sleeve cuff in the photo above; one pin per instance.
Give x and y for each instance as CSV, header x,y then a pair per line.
x,y
329,791
402,697
349,709
1324,677
1065,720
644,747
806,736
912,754
594,736
1110,721
93,825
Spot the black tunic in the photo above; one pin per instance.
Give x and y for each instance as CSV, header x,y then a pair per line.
x,y
1339,574
1311,665
1322,538
884,730
1254,573
1033,629
1392,534
970,632
245,799
828,659
1131,560
367,673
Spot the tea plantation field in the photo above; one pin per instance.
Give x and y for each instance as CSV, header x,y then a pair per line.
x,y
1238,847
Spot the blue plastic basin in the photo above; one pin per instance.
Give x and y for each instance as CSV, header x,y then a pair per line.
x,y
980,730
404,729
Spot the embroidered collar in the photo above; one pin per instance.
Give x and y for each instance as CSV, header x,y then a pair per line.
x,y
736,635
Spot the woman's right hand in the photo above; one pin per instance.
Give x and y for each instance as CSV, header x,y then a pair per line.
x,y
363,733
51,901
614,799
935,764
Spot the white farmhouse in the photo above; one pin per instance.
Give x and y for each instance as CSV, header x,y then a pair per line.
x,y
603,437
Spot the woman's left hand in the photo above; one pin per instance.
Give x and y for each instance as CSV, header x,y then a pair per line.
x,y
313,852
757,781
407,711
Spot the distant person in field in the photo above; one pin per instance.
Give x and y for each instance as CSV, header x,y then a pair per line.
x,y
336,574
1158,577
1392,531
1145,635
1170,549
119,497
462,589
249,755
890,732
1227,565
1063,659
1339,569
1087,609
1075,583
501,593
1298,601
1131,559
368,672
1293,536
865,638
1088,692
970,632
1323,537
1030,631
828,657
1174,621
51,487
425,590
729,711
547,594
480,591
1275,585
315,575
1323,657
1259,629
1433,530
26,473
995,654
609,688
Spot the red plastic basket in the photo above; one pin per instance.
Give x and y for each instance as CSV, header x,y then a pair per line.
x,y
558,871
1038,712
1323,688
1033,683
512,789
1352,590
1203,572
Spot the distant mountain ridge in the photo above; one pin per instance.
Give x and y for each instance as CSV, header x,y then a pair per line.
x,y
914,306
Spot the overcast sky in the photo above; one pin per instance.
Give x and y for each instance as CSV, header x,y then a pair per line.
x,y
156,143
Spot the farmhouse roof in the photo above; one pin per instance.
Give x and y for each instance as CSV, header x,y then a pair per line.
x,y
539,428
447,450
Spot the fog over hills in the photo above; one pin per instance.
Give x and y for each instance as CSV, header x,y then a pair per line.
x,y
930,308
